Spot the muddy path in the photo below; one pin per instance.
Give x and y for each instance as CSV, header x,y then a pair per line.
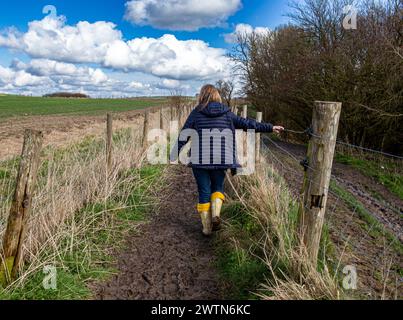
x,y
373,255
169,258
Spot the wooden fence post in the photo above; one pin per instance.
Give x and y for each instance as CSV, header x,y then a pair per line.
x,y
109,135
173,115
145,129
21,206
325,123
259,118
162,118
245,112
182,114
245,135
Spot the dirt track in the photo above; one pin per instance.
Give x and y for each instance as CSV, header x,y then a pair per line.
x,y
169,258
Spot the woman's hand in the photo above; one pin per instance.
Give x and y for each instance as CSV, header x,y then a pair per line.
x,y
278,129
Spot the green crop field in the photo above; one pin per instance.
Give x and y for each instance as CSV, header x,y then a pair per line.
x,y
15,106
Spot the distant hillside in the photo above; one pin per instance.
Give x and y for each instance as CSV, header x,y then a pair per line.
x,y
66,95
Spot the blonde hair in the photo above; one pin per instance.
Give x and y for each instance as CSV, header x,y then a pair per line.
x,y
209,94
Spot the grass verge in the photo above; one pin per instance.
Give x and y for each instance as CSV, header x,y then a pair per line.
x,y
260,254
87,256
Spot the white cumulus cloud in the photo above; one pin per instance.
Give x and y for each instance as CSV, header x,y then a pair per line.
x,y
20,78
244,29
101,43
186,15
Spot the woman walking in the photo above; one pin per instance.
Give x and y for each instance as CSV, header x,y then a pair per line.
x,y
213,125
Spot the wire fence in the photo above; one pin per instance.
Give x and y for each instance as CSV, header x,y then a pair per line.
x,y
373,232
309,132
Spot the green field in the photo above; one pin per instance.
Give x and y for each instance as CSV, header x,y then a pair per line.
x,y
14,106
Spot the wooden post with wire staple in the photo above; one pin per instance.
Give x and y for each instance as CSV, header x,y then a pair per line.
x,y
20,211
146,129
259,118
325,123
109,135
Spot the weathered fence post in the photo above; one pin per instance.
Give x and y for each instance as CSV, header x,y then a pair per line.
x,y
109,134
173,118
162,118
325,123
259,118
21,206
145,129
245,135
245,112
179,115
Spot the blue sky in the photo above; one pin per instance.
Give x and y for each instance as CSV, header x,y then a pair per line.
x,y
189,21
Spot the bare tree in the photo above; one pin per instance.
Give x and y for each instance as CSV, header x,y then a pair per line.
x,y
315,58
226,89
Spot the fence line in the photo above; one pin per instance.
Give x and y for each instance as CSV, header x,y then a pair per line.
x,y
11,257
352,204
310,133
180,114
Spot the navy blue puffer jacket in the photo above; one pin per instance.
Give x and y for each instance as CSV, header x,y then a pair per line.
x,y
215,126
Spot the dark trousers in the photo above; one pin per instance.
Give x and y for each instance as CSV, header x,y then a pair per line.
x,y
209,182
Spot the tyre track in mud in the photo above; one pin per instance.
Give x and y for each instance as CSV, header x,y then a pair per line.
x,y
169,258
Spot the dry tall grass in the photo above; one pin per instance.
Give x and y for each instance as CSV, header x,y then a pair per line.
x,y
70,179
291,274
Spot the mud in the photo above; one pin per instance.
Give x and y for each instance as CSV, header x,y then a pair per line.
x,y
169,258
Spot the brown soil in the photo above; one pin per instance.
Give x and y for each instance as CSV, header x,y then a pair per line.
x,y
376,261
60,130
169,258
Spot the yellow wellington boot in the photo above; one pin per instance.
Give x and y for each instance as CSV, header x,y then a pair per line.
x,y
217,200
205,214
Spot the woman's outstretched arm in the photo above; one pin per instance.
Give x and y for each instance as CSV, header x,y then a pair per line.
x,y
250,124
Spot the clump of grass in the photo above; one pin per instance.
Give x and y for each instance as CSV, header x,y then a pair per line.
x,y
238,262
97,229
4,174
288,272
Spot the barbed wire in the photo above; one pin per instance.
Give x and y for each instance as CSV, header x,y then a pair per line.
x,y
306,165
352,204
370,150
310,133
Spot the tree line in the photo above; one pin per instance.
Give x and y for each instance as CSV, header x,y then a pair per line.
x,y
316,57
